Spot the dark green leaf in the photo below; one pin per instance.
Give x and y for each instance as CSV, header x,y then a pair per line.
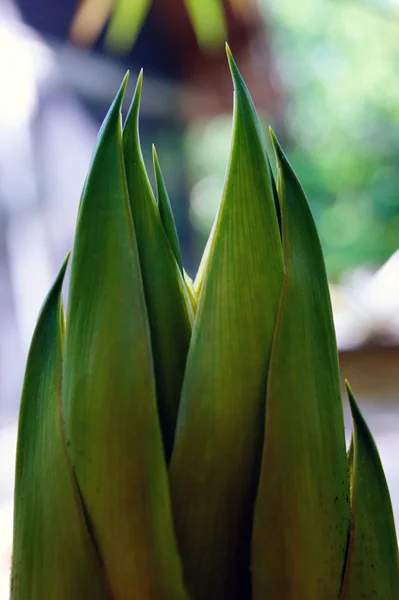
x,y
302,510
165,211
372,566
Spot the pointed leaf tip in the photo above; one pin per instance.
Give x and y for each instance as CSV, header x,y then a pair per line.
x,y
278,151
125,79
155,160
136,100
118,101
139,84
239,84
351,398
165,211
55,290
169,310
372,566
359,422
273,136
305,404
57,285
226,364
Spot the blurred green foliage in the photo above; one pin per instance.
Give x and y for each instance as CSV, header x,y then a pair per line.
x,y
207,18
338,63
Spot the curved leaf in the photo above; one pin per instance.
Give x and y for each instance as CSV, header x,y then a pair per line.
x,y
109,401
372,567
169,309
168,222
219,435
165,211
53,556
302,509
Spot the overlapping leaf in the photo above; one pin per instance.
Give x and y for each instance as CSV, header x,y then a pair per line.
x,y
168,222
218,442
109,401
302,510
165,211
53,555
372,566
93,516
169,309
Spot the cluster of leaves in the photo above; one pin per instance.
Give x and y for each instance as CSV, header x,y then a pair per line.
x,y
181,440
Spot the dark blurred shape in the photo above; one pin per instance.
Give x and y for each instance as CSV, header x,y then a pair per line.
x,y
49,18
206,71
167,47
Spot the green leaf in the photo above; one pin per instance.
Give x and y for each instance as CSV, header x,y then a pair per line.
x,y
275,194
372,566
165,211
168,222
220,428
169,309
302,509
190,291
199,278
349,459
109,401
53,556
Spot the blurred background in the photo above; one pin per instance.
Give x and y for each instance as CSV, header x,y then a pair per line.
x,y
323,74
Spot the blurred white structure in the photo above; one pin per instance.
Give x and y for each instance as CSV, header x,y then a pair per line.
x,y
366,307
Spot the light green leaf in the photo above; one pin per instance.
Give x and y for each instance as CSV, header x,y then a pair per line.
x,y
109,401
53,555
218,444
199,278
126,22
275,194
190,291
208,20
169,309
372,566
301,521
